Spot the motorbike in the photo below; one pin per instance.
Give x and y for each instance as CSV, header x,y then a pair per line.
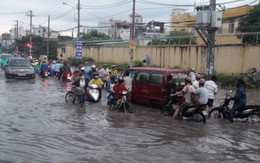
x,y
170,107
72,96
249,113
93,93
66,76
44,74
123,104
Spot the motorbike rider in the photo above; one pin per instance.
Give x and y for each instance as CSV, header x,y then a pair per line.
x,y
64,69
75,75
110,97
96,80
52,68
113,71
195,83
170,88
37,67
57,69
128,81
212,91
92,72
186,92
81,85
44,68
104,72
202,94
239,99
118,88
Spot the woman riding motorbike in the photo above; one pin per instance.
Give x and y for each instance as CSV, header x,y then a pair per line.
x,y
96,80
81,86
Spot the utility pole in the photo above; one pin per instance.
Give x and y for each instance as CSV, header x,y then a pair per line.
x,y
132,36
78,7
209,21
211,48
16,29
48,38
30,48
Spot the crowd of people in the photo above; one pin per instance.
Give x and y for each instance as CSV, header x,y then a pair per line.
x,y
197,91
201,93
105,78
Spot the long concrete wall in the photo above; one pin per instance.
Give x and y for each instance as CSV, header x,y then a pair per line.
x,y
231,59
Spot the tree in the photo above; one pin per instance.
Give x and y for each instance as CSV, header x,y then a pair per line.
x,y
175,38
95,35
250,23
39,46
182,38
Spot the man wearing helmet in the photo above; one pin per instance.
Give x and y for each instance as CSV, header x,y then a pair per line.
x,y
113,71
96,80
118,88
239,99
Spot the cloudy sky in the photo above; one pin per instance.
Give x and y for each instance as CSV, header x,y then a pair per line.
x,y
63,17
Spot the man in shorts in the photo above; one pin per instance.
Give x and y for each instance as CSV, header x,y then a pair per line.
x,y
186,93
212,91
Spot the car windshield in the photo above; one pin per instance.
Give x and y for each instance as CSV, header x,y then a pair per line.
x,y
19,63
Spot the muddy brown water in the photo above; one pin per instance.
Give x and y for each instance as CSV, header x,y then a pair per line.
x,y
36,125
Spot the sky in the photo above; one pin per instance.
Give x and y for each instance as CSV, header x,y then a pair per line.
x,y
63,17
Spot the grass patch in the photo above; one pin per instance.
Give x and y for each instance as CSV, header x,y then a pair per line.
x,y
226,79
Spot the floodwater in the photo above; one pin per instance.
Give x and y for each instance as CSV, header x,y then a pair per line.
x,y
36,125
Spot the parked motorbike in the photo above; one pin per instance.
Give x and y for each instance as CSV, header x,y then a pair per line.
x,y
72,96
249,113
123,104
92,93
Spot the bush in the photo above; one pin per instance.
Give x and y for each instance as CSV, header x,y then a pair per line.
x,y
226,79
76,62
138,64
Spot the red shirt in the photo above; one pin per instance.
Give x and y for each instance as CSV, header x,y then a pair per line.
x,y
118,88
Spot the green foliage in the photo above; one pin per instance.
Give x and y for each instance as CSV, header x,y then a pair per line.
x,y
95,35
177,67
180,41
225,79
175,39
39,46
76,62
138,64
250,23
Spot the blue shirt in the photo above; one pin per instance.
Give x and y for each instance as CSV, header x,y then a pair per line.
x,y
44,67
240,97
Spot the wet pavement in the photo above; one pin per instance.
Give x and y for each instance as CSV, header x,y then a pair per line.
x,y
36,125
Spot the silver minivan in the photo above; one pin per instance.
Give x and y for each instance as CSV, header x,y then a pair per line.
x,y
19,68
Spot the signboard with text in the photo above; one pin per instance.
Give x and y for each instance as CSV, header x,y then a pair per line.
x,y
78,49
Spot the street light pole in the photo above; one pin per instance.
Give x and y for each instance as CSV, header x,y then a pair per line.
x,y
78,7
64,3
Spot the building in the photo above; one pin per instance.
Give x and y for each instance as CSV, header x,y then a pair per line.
x,y
180,20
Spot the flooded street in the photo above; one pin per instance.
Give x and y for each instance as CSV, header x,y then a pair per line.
x,y
36,125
